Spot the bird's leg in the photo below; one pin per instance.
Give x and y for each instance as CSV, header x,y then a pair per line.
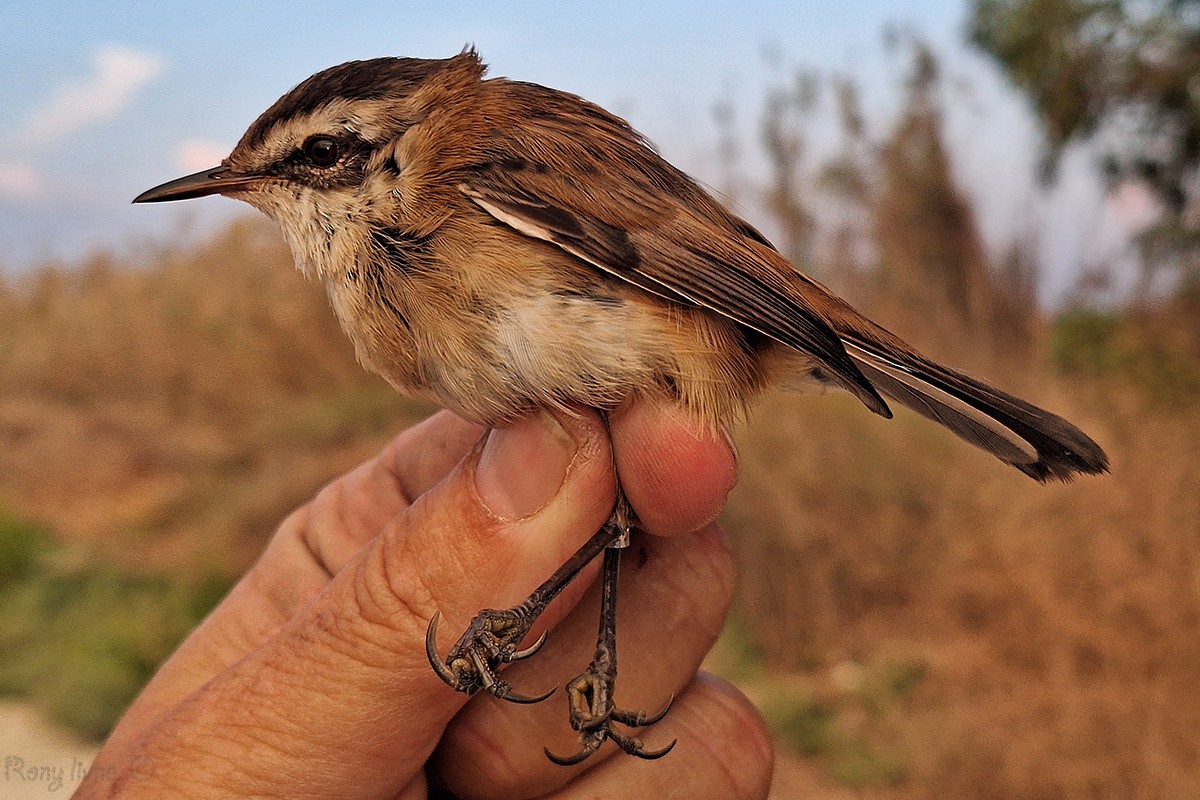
x,y
590,695
492,637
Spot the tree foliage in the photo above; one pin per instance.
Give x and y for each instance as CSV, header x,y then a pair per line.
x,y
1127,71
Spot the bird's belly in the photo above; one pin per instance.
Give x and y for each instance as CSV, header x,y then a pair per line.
x,y
551,351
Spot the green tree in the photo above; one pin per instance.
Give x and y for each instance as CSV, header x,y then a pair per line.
x,y
1127,71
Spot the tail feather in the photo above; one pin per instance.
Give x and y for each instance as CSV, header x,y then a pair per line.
x,y
1040,444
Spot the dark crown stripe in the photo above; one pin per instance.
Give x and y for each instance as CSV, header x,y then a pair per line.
x,y
355,80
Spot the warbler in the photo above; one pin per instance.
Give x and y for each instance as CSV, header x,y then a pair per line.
x,y
497,246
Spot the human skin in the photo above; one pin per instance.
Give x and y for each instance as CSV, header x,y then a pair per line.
x,y
311,680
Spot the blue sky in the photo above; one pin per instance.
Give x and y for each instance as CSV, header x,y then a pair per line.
x,y
101,101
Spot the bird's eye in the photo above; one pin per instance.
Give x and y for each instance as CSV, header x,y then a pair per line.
x,y
321,151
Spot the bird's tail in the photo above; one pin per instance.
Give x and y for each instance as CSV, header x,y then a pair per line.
x,y
1040,444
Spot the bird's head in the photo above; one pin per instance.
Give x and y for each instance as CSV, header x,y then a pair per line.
x,y
327,159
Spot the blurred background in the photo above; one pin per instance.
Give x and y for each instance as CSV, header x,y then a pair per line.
x,y
1012,185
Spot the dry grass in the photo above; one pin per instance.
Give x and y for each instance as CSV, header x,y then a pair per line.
x,y
203,396
1058,627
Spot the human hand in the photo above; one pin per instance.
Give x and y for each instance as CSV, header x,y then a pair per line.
x,y
310,679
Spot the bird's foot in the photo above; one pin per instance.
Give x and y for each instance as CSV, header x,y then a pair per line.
x,y
593,714
489,641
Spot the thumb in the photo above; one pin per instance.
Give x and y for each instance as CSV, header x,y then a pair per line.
x,y
342,701
503,521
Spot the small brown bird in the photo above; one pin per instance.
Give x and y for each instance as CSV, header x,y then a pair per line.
x,y
497,246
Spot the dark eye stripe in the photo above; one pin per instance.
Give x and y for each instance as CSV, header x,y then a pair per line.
x,y
347,169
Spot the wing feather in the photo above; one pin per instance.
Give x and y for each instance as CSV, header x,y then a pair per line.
x,y
672,252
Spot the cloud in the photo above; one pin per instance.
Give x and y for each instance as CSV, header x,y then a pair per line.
x,y
118,74
193,155
20,182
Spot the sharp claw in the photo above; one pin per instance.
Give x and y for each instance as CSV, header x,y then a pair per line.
x,y
634,747
570,761
502,689
650,755
528,651
638,719
431,653
513,697
658,715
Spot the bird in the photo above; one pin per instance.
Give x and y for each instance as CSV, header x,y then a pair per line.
x,y
497,246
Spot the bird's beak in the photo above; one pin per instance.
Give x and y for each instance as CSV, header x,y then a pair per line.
x,y
216,180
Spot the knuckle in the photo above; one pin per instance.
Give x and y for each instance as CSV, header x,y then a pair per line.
x,y
392,591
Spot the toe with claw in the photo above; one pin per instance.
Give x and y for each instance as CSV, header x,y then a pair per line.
x,y
489,641
593,714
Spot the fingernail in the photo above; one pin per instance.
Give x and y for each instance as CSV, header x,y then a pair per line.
x,y
523,465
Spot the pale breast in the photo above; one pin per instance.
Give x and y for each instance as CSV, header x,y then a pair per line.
x,y
569,348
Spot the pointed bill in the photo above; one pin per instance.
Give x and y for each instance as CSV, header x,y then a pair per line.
x,y
214,180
